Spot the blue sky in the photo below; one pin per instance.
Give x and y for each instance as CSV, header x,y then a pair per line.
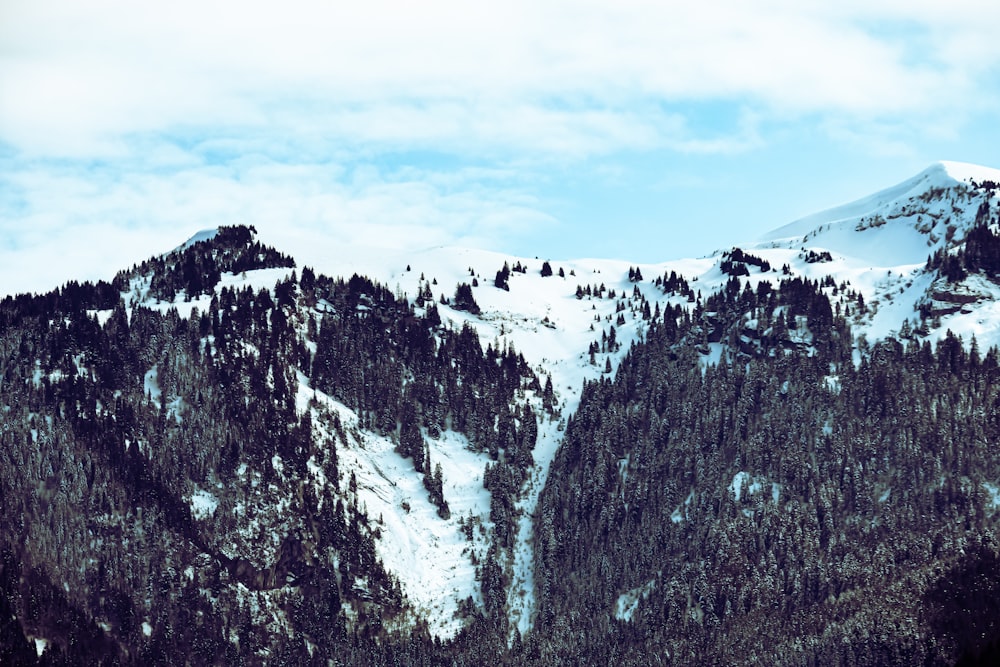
x,y
633,129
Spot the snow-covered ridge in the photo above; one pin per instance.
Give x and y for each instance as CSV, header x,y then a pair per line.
x,y
197,237
938,176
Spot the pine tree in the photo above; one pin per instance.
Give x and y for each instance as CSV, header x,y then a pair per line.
x,y
464,300
502,278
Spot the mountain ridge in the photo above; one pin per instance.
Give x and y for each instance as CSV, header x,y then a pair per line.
x,y
941,175
385,441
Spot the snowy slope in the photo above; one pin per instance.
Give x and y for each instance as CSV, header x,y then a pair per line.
x,y
890,202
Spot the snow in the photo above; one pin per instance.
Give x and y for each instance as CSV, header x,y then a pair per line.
x,y
938,175
680,514
714,355
151,386
203,235
102,315
521,598
753,485
994,492
737,485
138,291
628,602
203,504
963,172
430,556
980,319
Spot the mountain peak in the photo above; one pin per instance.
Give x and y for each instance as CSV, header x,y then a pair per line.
x,y
965,172
891,201
202,235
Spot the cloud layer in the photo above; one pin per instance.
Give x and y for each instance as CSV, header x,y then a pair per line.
x,y
443,121
555,77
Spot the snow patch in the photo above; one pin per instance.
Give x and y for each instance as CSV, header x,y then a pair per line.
x,y
753,485
202,235
680,514
628,602
203,504
152,387
102,315
994,492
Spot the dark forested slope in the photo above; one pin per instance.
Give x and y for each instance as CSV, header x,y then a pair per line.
x,y
167,495
779,507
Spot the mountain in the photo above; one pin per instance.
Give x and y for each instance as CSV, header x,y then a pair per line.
x,y
778,452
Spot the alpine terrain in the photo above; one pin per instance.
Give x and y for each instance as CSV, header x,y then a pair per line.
x,y
783,453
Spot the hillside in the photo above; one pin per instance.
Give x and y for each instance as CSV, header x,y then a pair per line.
x,y
252,450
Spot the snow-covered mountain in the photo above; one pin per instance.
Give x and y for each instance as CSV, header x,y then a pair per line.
x,y
913,261
877,247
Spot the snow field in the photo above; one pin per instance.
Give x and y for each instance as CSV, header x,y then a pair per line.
x,y
431,557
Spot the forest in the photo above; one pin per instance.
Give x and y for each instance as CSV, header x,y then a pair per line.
x,y
807,498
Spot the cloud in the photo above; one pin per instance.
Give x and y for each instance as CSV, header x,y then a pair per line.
x,y
558,77
101,219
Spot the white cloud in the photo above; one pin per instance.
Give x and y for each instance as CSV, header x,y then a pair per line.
x,y
77,78
99,220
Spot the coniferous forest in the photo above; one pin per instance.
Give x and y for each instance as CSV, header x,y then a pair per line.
x,y
790,509
808,499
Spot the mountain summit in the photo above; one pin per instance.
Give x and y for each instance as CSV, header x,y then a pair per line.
x,y
896,202
919,251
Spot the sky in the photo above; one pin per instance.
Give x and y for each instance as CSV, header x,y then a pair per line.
x,y
597,128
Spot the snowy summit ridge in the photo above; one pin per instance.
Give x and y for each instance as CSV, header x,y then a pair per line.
x,y
938,176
